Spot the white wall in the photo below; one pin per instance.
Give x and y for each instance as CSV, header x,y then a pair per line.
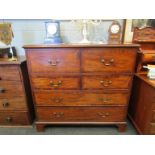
x,y
33,32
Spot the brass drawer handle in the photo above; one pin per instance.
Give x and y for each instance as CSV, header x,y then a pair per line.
x,y
2,90
58,114
105,83
53,63
111,61
105,100
5,104
103,114
9,119
55,85
57,99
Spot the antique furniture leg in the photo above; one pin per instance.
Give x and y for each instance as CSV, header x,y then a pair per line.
x,y
40,127
121,127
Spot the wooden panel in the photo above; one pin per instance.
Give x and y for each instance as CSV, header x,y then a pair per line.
x,y
8,72
54,60
152,128
148,57
100,114
56,83
17,103
63,98
106,82
11,89
14,118
108,60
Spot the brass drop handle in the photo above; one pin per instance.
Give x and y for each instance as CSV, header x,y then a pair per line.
x,y
103,114
105,83
53,63
58,114
2,90
5,104
55,85
9,119
111,61
105,100
57,100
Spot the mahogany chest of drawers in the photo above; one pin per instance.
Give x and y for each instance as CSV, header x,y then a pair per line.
x,y
16,107
79,84
142,104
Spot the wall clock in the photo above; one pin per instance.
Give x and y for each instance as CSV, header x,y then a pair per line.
x,y
114,33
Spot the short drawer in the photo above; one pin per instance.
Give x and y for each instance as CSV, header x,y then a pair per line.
x,y
108,60
148,57
17,103
56,83
9,73
14,118
54,60
81,114
106,82
63,98
11,89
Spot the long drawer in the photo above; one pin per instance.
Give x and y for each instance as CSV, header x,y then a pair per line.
x,y
106,82
108,60
16,103
54,60
14,118
56,83
9,73
76,98
10,89
81,114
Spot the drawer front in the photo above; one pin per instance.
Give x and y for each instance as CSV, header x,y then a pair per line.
x,y
108,60
11,89
48,98
9,73
54,60
17,103
14,118
148,57
80,114
56,83
106,82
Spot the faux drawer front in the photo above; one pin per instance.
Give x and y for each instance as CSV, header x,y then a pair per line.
x,y
54,60
9,73
49,98
108,60
80,114
148,57
56,83
105,82
17,103
10,89
14,118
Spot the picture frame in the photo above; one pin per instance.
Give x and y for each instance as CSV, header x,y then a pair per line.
x,y
130,24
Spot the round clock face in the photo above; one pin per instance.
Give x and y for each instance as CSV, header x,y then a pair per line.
x,y
115,29
52,29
